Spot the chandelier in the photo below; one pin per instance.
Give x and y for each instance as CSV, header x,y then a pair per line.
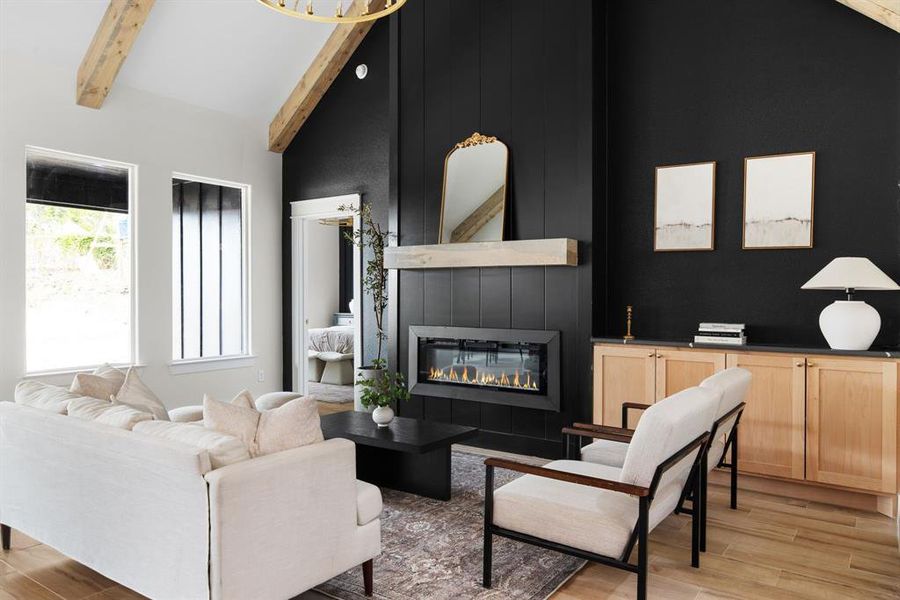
x,y
335,11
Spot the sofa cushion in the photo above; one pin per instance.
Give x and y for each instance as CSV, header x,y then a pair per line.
x,y
94,386
106,412
275,399
605,452
289,426
223,449
136,394
368,502
234,418
580,516
41,395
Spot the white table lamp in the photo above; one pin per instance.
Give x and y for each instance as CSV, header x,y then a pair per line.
x,y
850,324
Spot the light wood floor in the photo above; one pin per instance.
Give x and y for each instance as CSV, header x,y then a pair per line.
x,y
771,547
328,408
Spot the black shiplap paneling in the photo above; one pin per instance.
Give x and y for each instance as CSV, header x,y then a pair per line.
x,y
527,109
504,69
699,80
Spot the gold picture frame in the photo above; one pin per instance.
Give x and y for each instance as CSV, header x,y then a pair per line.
x,y
468,222
778,189
681,223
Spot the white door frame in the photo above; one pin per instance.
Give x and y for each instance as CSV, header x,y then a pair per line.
x,y
315,209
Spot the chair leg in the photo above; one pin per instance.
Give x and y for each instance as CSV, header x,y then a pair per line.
x,y
6,535
734,468
367,576
643,527
704,498
488,522
696,519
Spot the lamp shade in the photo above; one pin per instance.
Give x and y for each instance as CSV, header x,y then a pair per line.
x,y
850,272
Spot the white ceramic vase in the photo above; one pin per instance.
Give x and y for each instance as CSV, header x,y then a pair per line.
x,y
383,415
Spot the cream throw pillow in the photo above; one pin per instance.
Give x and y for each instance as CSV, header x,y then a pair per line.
x,y
223,449
107,371
94,386
104,411
136,394
292,425
41,395
237,418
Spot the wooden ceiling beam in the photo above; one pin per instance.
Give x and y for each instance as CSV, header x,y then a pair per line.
x,y
112,41
318,78
886,12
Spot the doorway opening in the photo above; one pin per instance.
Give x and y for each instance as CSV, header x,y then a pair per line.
x,y
326,300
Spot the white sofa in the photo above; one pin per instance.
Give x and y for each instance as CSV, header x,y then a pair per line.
x,y
152,515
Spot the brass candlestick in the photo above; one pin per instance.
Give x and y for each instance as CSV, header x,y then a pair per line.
x,y
628,335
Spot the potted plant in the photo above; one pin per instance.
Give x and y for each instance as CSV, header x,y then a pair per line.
x,y
370,235
382,393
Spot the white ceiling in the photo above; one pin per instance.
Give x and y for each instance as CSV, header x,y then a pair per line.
x,y
234,56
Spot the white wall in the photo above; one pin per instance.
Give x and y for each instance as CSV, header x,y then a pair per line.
x,y
159,135
322,254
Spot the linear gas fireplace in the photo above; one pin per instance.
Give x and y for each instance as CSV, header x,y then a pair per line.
x,y
518,367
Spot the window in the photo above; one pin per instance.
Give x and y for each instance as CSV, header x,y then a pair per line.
x,y
78,282
209,266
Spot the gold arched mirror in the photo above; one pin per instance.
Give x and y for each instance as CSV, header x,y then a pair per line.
x,y
474,200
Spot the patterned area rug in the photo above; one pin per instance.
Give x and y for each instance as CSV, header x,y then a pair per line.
x,y
432,549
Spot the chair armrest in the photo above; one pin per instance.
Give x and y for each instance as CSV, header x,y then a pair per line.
x,y
599,432
634,405
186,414
596,482
604,429
274,400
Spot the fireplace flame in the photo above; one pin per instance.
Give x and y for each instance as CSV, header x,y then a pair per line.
x,y
518,380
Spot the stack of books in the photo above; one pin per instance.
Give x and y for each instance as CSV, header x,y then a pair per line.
x,y
726,334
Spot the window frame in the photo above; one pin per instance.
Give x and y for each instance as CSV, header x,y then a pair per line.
x,y
181,366
133,211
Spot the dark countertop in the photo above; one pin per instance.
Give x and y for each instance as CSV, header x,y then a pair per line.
x,y
871,353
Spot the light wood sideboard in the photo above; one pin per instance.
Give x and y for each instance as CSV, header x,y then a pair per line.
x,y
823,421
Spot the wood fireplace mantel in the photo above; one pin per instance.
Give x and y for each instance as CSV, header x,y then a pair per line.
x,y
514,253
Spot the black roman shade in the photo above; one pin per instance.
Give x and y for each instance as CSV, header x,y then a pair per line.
x,y
59,182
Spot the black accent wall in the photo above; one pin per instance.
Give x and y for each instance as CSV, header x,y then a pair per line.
x,y
698,80
643,82
343,148
523,72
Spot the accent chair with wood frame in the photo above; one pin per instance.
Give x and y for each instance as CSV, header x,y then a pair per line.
x,y
597,512
612,443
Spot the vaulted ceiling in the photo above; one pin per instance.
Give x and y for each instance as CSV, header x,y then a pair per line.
x,y
232,56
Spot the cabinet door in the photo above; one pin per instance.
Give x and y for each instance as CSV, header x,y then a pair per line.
x,y
621,374
851,436
678,370
771,434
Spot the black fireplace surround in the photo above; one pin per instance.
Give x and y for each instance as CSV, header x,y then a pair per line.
x,y
515,367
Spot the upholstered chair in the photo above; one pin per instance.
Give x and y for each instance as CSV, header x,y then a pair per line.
x,y
599,512
612,448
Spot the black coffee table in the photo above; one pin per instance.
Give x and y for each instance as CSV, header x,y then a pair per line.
x,y
409,455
